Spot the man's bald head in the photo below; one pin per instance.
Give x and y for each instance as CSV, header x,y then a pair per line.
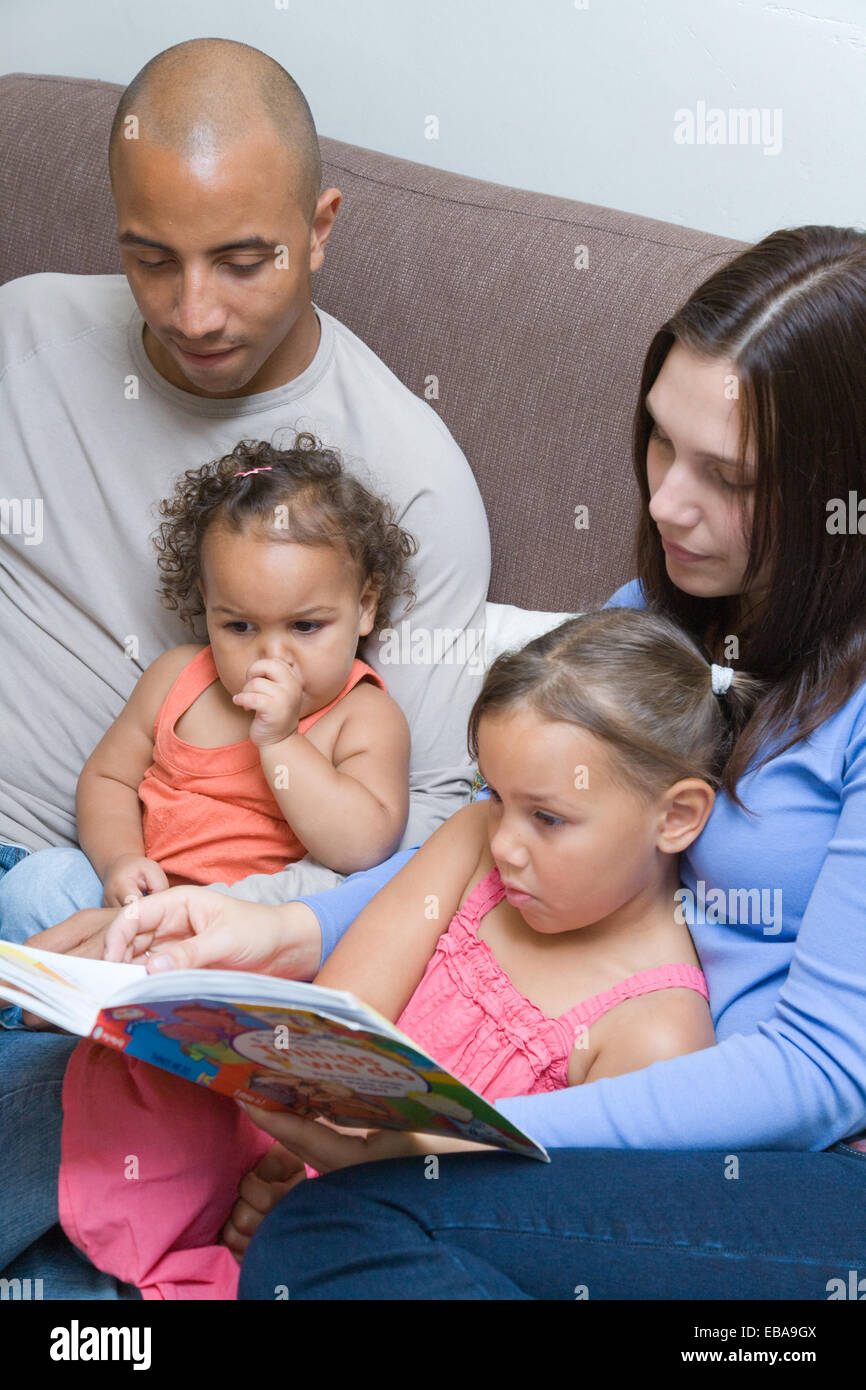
x,y
200,96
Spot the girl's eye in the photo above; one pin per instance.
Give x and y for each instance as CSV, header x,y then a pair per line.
x,y
238,627
547,819
306,625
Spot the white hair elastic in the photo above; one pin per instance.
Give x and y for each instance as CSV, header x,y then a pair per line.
x,y
722,677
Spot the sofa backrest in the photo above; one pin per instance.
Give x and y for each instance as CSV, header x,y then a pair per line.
x,y
532,314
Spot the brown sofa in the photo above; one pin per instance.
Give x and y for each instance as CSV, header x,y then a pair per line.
x,y
474,283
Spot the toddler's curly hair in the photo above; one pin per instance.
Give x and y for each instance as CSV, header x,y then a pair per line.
x,y
304,495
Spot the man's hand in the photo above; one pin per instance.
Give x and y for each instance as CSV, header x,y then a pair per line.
x,y
273,1176
131,876
82,934
273,692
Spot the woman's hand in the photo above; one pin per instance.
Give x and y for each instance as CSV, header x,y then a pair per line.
x,y
190,928
326,1149
262,1188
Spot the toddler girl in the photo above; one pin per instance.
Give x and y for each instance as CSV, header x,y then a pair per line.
x,y
566,957
274,740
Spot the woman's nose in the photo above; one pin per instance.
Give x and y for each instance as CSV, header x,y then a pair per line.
x,y
674,501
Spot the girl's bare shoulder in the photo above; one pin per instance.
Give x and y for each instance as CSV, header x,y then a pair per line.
x,y
365,711
649,1028
158,678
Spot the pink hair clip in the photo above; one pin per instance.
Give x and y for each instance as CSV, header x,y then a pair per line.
x,y
267,469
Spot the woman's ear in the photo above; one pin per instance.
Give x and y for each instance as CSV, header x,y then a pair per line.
x,y
686,809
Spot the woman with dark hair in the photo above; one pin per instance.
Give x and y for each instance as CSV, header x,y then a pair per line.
x,y
688,1178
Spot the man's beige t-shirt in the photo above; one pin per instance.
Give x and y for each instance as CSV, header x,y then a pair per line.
x,y
91,436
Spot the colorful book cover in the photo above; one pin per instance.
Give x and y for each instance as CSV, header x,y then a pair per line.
x,y
289,1058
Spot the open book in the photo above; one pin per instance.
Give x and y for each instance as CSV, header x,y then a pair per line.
x,y
280,1044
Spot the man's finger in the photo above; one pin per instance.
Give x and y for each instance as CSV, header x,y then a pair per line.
x,y
82,934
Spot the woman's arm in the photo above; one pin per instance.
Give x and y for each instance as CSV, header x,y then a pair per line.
x,y
797,1082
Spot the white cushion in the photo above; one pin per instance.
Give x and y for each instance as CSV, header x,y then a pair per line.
x,y
509,628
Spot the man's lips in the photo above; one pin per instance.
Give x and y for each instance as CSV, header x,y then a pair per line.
x,y
204,357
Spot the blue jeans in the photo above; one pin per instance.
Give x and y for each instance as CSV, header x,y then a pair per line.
x,y
36,891
597,1223
39,890
32,1243
10,855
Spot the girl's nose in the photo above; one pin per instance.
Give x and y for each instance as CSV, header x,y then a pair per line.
x,y
276,648
507,847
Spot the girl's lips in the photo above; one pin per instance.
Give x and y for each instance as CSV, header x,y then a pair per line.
x,y
516,896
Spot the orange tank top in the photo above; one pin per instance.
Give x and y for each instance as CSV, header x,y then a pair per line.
x,y
209,815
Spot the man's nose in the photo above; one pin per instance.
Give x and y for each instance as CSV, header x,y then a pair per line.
x,y
198,313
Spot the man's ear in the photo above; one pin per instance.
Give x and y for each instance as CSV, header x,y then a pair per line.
x,y
323,220
687,806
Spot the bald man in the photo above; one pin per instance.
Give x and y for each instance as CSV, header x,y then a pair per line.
x,y
114,385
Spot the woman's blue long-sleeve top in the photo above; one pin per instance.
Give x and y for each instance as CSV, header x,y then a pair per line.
x,y
781,937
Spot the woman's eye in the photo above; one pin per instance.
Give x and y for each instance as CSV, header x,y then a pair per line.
x,y
150,265
732,487
656,434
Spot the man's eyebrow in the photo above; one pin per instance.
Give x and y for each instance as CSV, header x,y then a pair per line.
x,y
708,458
251,243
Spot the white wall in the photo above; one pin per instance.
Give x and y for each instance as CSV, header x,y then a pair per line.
x,y
541,94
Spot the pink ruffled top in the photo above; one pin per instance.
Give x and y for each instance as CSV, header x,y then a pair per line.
x,y
469,1016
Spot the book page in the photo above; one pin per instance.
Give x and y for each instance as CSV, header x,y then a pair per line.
x,y
66,990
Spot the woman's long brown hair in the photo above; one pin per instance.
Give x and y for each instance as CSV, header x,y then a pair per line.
x,y
789,314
